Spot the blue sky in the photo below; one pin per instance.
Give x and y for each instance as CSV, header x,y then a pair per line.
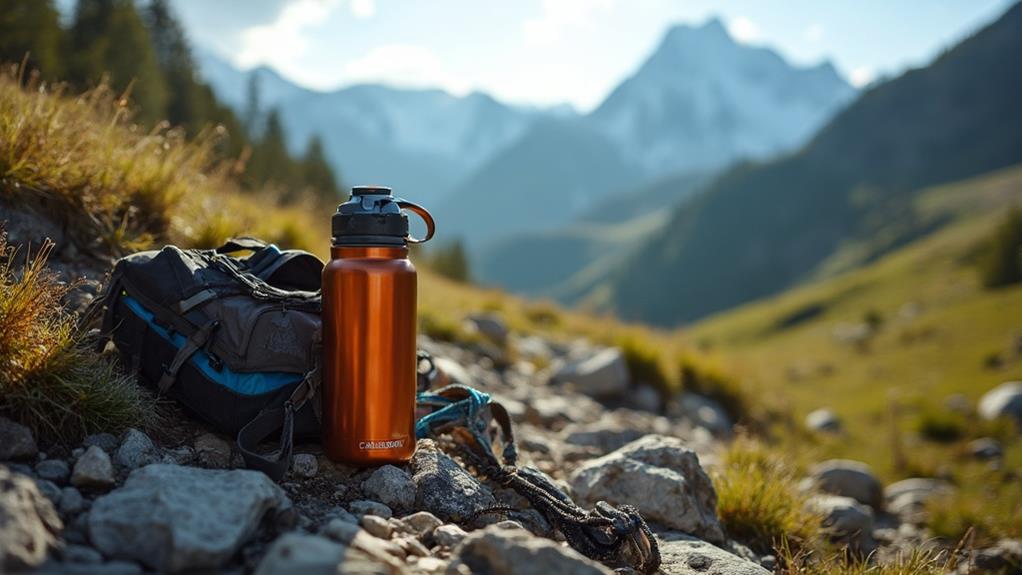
x,y
553,51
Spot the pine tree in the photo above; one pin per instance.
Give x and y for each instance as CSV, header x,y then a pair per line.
x,y
270,160
186,105
253,105
1001,264
451,261
33,29
108,37
317,174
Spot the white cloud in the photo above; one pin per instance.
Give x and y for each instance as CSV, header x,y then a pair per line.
x,y
363,9
743,30
406,65
558,16
862,76
814,33
284,39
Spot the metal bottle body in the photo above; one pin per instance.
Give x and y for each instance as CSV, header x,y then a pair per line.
x,y
369,362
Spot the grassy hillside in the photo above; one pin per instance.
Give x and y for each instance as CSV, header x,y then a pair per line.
x,y
938,333
762,227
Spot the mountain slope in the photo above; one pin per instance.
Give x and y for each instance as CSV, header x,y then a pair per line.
x,y
421,142
699,102
702,101
761,227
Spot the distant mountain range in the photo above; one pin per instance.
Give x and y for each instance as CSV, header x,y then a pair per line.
x,y
421,142
847,195
492,170
699,102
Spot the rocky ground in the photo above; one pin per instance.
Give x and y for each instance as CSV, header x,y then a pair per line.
x,y
178,498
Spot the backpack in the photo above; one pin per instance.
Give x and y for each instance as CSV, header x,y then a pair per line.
x,y
234,340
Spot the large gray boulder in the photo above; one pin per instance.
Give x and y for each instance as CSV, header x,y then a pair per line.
x,y
601,374
706,413
297,553
846,521
684,555
1005,400
444,488
662,478
16,441
29,525
174,518
499,551
848,478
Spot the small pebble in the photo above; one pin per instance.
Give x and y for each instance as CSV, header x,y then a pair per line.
x,y
55,470
363,507
305,465
377,526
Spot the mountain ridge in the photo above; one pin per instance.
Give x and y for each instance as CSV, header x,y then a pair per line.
x,y
774,222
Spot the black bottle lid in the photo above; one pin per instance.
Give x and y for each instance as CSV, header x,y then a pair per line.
x,y
372,216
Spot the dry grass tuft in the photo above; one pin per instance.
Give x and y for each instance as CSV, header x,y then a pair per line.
x,y
914,562
758,500
117,188
50,379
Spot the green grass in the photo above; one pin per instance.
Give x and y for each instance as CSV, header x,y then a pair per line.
x,y
939,330
758,500
50,378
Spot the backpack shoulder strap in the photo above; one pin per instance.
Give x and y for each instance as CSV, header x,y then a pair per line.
x,y
276,463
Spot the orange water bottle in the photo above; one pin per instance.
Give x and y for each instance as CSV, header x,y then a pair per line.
x,y
369,317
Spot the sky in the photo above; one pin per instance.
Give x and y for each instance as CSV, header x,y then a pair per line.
x,y
547,52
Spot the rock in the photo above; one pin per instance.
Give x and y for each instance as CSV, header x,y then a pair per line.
x,y
422,524
603,435
93,470
449,535
848,478
71,501
659,476
377,526
603,374
452,371
341,530
412,546
907,498
49,489
81,554
108,568
490,326
516,551
430,565
707,413
136,450
391,485
646,398
555,411
55,470
684,555
1005,400
173,518
295,553
212,451
846,521
823,420
305,465
985,448
105,441
29,526
1004,557
363,507
443,488
16,441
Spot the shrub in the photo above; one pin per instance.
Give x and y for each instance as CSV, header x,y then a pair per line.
x,y
985,516
941,425
758,500
644,362
1001,260
702,377
50,379
911,562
